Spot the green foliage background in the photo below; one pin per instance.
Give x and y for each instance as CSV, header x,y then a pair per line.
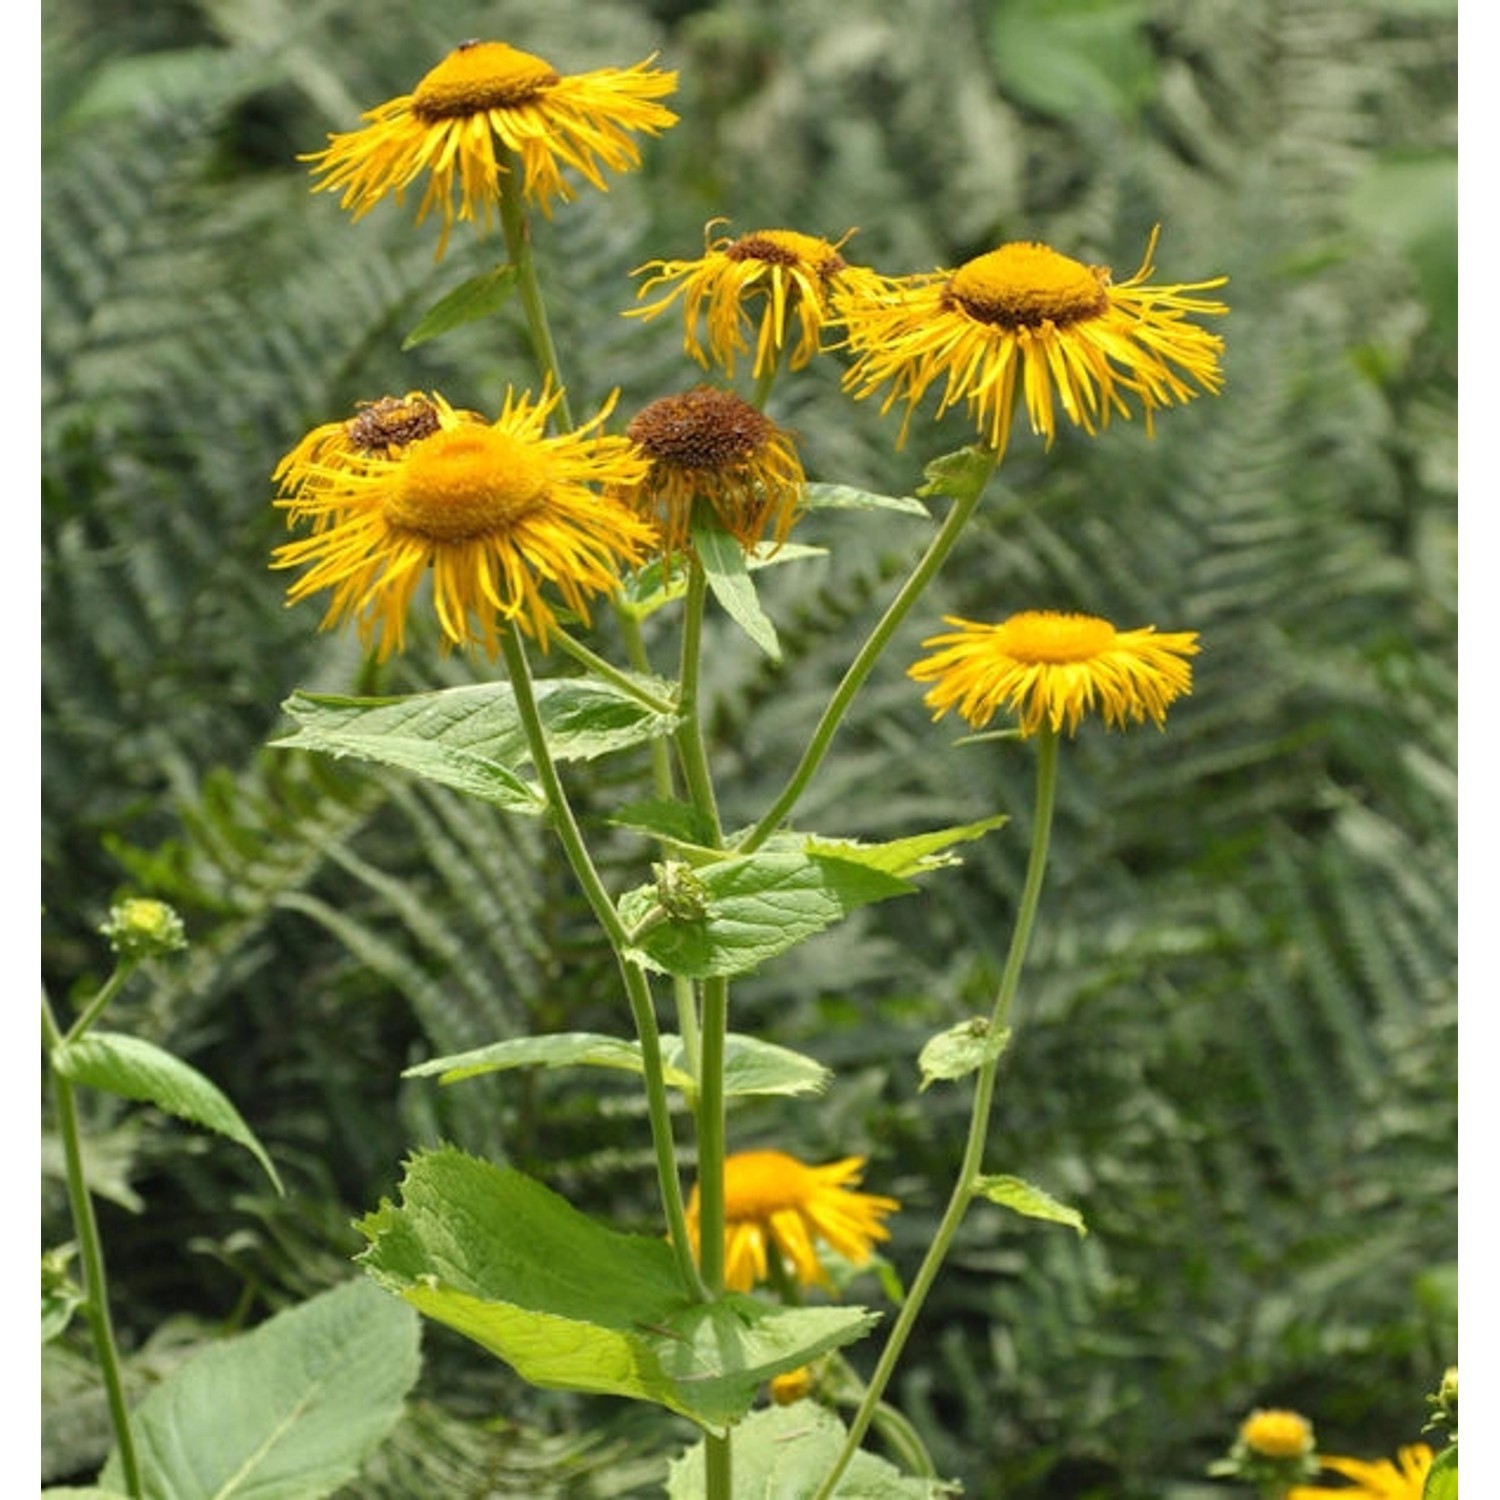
x,y
1237,1048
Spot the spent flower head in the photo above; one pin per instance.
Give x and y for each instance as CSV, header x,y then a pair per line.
x,y
775,1204
1026,321
140,927
484,107
495,511
790,278
711,449
1051,669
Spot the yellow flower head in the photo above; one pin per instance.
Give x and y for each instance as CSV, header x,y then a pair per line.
x,y
791,1385
484,103
1052,668
1382,1480
787,273
709,447
493,510
1026,318
775,1204
1277,1434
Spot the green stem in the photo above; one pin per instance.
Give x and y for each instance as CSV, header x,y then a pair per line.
x,y
518,245
91,1247
611,673
637,990
690,748
860,668
712,1133
96,1007
966,1186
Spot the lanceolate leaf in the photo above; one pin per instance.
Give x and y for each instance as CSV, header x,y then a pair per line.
x,y
571,1304
908,856
751,1066
476,298
1024,1198
723,562
846,497
755,907
471,738
134,1069
288,1411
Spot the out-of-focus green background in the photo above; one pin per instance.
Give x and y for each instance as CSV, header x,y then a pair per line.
x,y
1237,1042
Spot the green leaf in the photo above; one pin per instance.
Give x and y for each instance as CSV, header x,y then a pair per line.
x,y
960,1050
1022,1197
471,738
723,562
915,855
959,475
288,1411
758,906
572,1305
478,297
133,1069
70,1492
61,1295
1073,58
751,1066
1442,1477
846,497
785,1453
679,825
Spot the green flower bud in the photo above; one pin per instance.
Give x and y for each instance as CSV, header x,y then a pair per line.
x,y
143,928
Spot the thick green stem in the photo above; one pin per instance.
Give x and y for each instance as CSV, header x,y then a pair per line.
x,y
91,1247
966,1186
690,748
637,989
860,668
518,245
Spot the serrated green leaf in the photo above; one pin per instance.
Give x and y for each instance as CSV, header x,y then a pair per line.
x,y
1025,1198
134,1069
786,1452
471,738
723,561
1442,1477
751,1066
572,1305
479,297
758,906
960,1050
846,497
678,825
288,1411
905,857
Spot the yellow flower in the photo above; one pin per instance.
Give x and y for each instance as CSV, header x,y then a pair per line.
x,y
710,447
1382,1480
484,103
791,1386
789,274
1052,668
494,510
775,1204
1277,1434
1026,318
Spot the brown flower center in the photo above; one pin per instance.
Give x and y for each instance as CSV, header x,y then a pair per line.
x,y
467,482
391,422
700,429
1025,285
1043,636
785,247
479,76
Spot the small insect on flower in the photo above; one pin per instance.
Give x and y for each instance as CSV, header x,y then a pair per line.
x,y
495,512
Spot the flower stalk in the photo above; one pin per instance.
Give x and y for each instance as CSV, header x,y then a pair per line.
x,y
966,1186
